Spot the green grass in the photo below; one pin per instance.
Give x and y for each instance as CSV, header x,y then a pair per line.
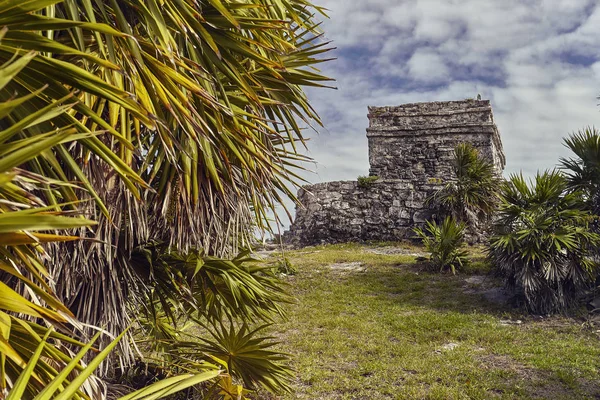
x,y
378,331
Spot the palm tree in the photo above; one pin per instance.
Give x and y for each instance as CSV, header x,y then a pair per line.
x,y
472,195
444,242
542,241
184,120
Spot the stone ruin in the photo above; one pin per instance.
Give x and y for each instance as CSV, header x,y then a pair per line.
x,y
411,149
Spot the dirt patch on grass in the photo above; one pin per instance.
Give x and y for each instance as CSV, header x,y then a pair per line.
x,y
390,250
504,363
348,267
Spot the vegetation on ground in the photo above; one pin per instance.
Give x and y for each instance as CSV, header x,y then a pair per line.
x,y
370,322
285,266
544,236
445,243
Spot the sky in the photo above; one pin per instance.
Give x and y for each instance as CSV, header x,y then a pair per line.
x,y
538,61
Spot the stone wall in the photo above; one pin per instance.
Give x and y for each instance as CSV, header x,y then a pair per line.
x,y
343,211
411,151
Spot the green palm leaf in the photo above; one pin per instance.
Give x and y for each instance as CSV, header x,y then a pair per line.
x,y
180,119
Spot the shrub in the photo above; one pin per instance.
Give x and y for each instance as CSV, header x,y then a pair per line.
x,y
366,181
541,242
285,266
444,242
472,196
583,171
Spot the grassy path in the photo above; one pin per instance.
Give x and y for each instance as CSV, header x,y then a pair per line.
x,y
376,326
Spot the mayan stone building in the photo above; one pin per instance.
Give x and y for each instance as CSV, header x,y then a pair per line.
x,y
411,150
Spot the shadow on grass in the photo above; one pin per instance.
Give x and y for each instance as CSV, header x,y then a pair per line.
x,y
414,285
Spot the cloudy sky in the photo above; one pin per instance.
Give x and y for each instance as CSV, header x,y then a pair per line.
x,y
538,61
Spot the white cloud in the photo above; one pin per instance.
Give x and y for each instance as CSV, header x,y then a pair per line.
x,y
536,60
428,66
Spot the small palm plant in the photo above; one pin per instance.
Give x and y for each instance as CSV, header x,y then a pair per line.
x,y
472,196
194,296
444,242
542,241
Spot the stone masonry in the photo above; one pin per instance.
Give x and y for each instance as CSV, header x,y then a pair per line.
x,y
410,150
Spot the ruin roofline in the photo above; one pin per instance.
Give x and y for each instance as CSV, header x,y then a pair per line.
x,y
457,117
432,107
434,130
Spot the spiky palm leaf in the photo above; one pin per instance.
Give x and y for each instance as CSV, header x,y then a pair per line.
x,y
248,355
61,388
445,243
195,287
583,172
542,242
200,101
472,194
26,292
215,288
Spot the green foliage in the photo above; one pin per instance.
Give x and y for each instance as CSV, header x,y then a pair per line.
x,y
244,352
25,218
244,287
366,181
62,388
444,242
248,355
542,240
285,266
172,123
583,171
192,290
473,195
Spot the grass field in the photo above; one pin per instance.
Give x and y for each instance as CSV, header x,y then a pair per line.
x,y
372,323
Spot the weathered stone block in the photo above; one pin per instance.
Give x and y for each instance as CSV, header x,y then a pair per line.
x,y
421,216
314,207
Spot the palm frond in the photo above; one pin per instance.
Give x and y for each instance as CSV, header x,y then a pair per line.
x,y
27,288
445,243
61,387
542,241
471,195
181,120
